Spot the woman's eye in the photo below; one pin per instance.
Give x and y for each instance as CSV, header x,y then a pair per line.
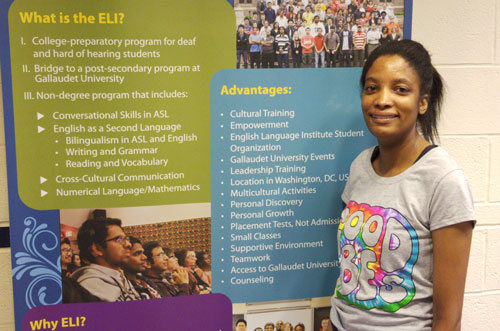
x,y
402,89
369,88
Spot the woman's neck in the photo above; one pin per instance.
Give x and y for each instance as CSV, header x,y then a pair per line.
x,y
393,159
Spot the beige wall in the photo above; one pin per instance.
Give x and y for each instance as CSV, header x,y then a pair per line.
x,y
464,38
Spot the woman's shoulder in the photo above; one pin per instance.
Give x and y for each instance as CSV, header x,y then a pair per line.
x,y
438,170
437,162
363,158
366,154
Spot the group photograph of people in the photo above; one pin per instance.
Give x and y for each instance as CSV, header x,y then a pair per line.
x,y
313,33
109,259
311,314
241,325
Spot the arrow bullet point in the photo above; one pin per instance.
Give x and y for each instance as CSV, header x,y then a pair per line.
x,y
39,116
40,129
43,193
42,180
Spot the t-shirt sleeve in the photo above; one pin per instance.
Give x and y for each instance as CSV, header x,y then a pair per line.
x,y
101,289
451,202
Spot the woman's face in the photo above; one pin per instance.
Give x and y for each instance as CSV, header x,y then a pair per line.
x,y
190,259
77,260
206,258
172,262
391,99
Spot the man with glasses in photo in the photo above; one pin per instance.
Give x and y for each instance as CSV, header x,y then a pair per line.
x,y
66,254
177,284
103,243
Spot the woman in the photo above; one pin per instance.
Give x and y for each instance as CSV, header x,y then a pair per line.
x,y
384,36
187,259
276,29
204,269
394,34
300,327
370,7
363,19
76,263
339,18
329,14
405,234
291,15
350,24
371,21
296,50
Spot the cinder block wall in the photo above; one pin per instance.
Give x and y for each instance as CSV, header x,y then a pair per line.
x,y
469,60
464,39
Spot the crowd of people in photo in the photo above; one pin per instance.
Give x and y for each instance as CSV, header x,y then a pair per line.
x,y
319,33
241,325
111,266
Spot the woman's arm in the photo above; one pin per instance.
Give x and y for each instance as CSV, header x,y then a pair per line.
x,y
451,255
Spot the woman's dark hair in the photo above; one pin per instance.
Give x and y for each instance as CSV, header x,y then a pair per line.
x,y
431,82
72,266
181,256
301,325
201,262
73,258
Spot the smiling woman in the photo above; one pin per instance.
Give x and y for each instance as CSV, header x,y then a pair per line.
x,y
404,236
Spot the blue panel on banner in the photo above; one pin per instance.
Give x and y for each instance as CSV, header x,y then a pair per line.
x,y
282,143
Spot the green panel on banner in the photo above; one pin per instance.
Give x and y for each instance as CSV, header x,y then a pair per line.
x,y
110,100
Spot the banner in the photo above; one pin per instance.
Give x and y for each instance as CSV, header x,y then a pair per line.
x,y
145,167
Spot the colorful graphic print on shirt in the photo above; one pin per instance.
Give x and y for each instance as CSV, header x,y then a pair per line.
x,y
378,249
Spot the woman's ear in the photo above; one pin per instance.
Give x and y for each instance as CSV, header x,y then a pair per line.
x,y
423,103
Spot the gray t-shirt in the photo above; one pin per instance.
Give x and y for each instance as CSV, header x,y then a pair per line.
x,y
385,244
331,41
266,49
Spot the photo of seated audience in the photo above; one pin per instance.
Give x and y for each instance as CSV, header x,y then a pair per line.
x,y
313,33
105,258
